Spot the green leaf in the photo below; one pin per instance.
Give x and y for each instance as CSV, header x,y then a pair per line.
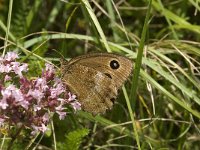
x,y
74,139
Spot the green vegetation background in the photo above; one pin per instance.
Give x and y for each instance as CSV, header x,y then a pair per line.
x,y
164,111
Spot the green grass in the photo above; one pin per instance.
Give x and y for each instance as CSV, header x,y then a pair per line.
x,y
158,110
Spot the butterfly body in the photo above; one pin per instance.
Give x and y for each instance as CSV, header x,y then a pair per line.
x,y
96,79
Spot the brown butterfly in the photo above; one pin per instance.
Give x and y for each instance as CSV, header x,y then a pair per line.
x,y
96,78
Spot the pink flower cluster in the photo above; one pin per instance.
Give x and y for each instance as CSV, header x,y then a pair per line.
x,y
31,102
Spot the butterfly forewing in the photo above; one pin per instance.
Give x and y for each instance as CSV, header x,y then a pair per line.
x,y
96,78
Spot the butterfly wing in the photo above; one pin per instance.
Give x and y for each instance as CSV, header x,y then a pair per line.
x,y
94,80
94,90
116,67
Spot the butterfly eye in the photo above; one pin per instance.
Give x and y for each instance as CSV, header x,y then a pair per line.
x,y
114,64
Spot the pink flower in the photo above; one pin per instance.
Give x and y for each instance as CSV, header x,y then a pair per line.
x,y
37,107
59,111
3,104
57,90
25,104
12,92
76,105
50,68
6,93
36,129
30,101
59,108
57,81
43,128
5,68
16,93
7,78
11,56
49,72
41,84
25,83
72,97
15,66
18,68
61,114
37,94
45,118
24,67
62,101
